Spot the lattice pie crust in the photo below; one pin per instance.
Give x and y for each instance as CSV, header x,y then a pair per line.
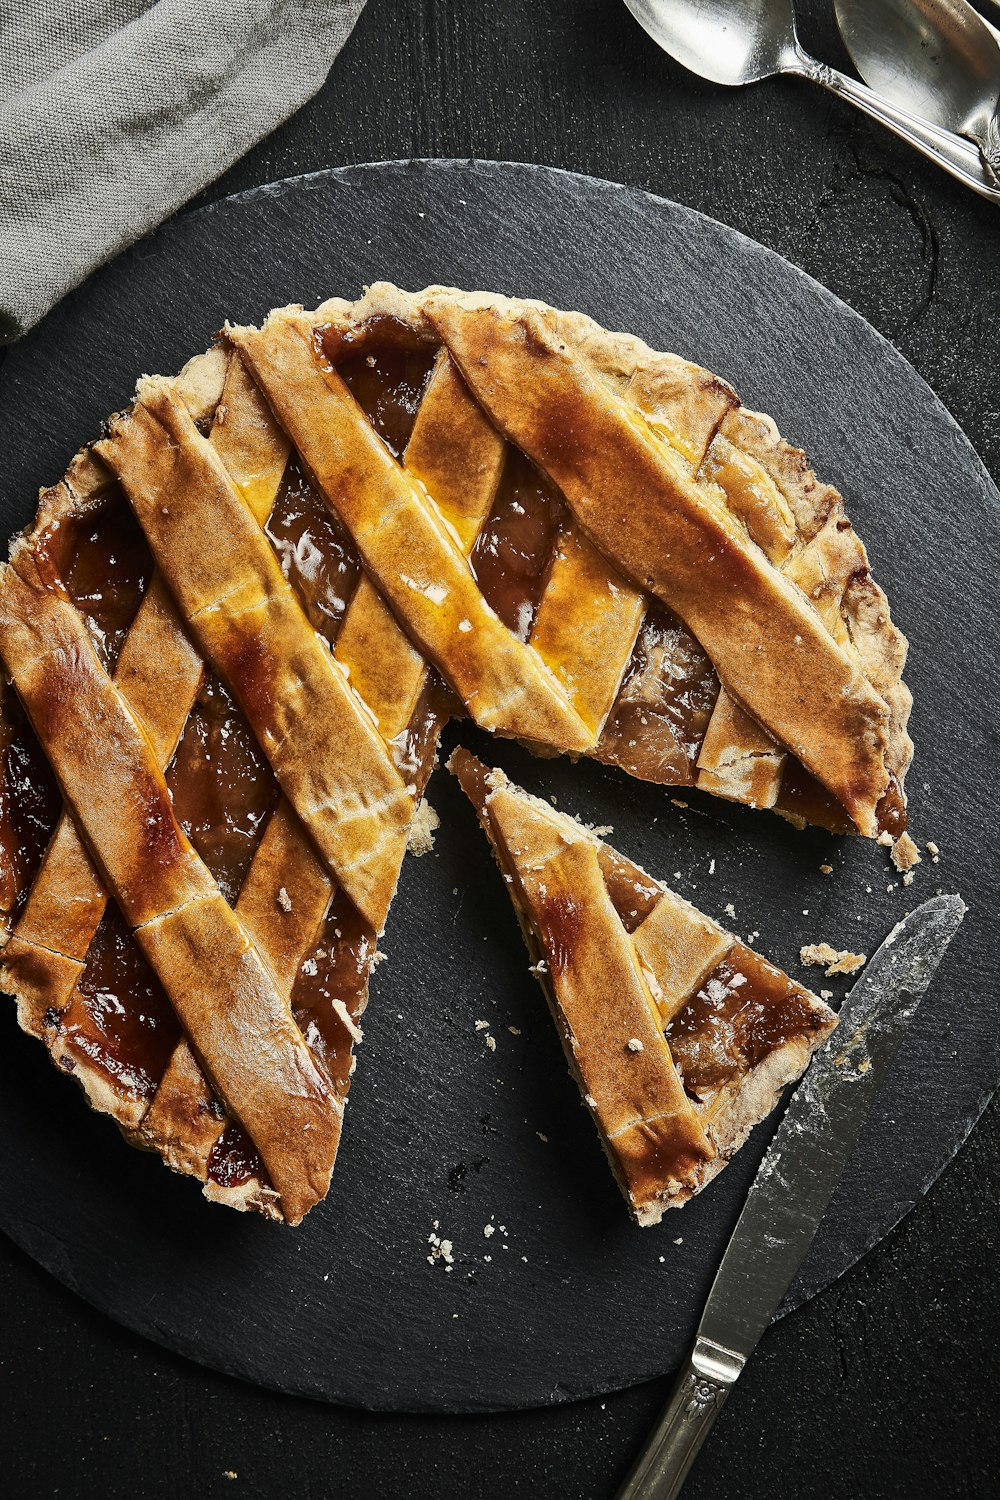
x,y
239,622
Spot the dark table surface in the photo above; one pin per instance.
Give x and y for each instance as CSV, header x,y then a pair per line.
x,y
888,1383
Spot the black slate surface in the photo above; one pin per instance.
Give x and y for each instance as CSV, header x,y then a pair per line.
x,y
443,1134
886,1383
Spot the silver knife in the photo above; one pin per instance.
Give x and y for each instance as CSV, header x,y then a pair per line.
x,y
793,1188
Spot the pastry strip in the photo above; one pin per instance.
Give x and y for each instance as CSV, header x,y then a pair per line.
x,y
453,443
325,752
637,504
637,1098
225,998
413,556
622,957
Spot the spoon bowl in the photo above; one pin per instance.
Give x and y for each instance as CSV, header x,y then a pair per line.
x,y
938,58
733,42
727,43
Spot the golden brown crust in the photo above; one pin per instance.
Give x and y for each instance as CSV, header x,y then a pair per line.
x,y
767,643
416,562
248,1045
226,1000
557,689
612,991
328,758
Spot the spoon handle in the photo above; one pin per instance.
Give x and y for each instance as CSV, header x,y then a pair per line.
x,y
955,155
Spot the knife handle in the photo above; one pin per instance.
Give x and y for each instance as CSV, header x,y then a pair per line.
x,y
702,1386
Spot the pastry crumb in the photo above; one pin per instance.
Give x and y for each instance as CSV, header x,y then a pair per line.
x,y
826,994
834,962
677,801
514,1030
542,1136
904,853
284,900
885,839
488,1231
482,1025
491,1042
420,839
907,877
826,869
730,910
590,1101
634,1044
441,1249
933,851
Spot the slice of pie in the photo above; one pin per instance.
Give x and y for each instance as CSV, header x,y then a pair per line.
x,y
680,1037
236,627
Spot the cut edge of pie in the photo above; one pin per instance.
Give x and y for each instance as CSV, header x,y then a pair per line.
x,y
574,650
680,1037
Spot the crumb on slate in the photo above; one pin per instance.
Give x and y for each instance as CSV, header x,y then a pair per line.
x,y
834,962
420,839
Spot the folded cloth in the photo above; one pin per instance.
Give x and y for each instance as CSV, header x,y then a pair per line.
x,y
114,112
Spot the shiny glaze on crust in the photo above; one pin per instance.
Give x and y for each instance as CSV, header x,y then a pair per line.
x,y
744,1010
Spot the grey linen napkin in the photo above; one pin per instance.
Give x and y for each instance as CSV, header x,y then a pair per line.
x,y
114,112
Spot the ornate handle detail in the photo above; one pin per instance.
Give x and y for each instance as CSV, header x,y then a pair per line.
x,y
697,1399
817,72
991,148
952,152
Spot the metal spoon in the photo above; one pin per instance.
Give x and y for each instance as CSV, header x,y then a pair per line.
x,y
742,41
938,58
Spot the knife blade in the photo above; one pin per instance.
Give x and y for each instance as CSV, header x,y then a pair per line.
x,y
793,1188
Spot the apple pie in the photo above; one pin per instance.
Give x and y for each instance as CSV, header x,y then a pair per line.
x,y
236,627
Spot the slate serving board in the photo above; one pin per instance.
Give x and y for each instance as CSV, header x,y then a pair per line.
x,y
567,1298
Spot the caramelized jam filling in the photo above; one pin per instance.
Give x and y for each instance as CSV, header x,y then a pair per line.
x,y
634,894
222,787
657,725
234,1159
119,1016
745,1009
891,814
29,806
335,974
804,797
514,549
107,572
415,750
316,554
653,1152
387,377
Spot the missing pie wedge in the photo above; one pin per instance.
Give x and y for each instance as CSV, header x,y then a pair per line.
x,y
680,1037
237,625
